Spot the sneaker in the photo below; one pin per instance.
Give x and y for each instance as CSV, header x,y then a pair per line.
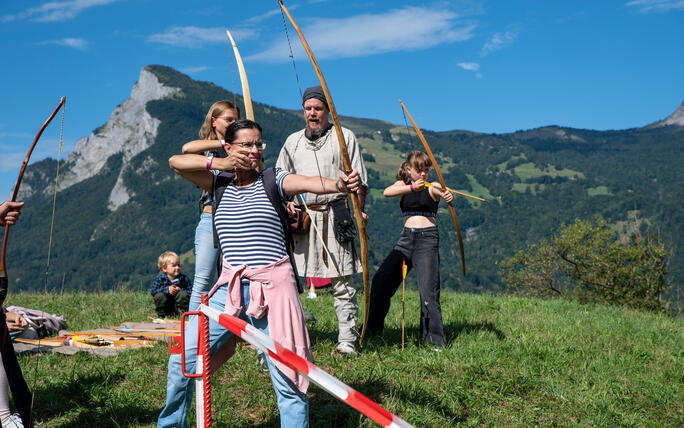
x,y
262,362
345,348
312,295
14,421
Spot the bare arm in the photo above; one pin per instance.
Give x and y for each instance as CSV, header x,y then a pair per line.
x,y
436,192
193,168
201,146
400,188
293,184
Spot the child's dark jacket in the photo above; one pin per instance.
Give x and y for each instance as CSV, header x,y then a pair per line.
x,y
162,283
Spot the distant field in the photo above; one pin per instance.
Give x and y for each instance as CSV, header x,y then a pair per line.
x,y
444,162
387,158
523,187
529,170
477,190
598,190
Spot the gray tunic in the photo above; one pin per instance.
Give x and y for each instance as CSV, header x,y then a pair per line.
x,y
322,157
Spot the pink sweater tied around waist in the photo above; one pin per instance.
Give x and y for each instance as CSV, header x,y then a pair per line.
x,y
273,292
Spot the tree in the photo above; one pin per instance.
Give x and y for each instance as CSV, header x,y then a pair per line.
x,y
586,262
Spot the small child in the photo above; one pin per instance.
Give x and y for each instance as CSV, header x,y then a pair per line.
x,y
171,289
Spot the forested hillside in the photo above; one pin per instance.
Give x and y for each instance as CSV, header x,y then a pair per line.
x,y
534,181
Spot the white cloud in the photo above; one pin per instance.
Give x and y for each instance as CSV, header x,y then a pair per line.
x,y
657,5
410,28
498,41
11,161
270,13
55,11
195,70
192,37
71,42
470,66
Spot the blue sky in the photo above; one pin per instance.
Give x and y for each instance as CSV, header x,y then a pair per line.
x,y
478,65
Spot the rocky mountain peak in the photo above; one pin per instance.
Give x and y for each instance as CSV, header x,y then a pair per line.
x,y
130,130
676,118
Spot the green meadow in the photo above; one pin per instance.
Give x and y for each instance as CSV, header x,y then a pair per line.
x,y
509,362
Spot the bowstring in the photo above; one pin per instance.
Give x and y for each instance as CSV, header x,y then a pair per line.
x,y
289,45
408,131
47,266
299,86
54,198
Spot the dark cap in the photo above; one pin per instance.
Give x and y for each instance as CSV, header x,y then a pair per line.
x,y
315,92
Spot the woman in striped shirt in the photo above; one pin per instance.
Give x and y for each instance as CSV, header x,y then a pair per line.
x,y
257,282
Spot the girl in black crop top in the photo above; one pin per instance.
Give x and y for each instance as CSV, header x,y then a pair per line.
x,y
418,246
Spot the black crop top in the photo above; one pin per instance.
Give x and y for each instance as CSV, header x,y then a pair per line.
x,y
418,203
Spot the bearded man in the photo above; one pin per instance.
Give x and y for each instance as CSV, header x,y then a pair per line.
x,y
315,151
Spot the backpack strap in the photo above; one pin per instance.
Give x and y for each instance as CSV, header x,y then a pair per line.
x,y
273,194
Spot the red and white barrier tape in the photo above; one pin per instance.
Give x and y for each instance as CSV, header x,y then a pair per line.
x,y
315,374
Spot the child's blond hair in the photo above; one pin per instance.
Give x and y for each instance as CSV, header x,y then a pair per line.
x,y
166,258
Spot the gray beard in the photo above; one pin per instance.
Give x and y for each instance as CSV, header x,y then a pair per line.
x,y
315,134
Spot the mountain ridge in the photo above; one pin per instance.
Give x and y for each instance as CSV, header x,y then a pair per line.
x,y
134,207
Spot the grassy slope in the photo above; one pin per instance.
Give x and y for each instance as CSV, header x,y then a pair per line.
x,y
510,362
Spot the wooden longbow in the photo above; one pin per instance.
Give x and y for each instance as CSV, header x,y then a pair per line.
x,y
246,97
441,181
347,167
23,398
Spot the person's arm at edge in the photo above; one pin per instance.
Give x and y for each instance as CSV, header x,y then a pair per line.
x,y
9,212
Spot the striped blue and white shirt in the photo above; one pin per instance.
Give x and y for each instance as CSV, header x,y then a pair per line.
x,y
248,226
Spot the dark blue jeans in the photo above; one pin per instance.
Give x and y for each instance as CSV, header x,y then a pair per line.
x,y
420,249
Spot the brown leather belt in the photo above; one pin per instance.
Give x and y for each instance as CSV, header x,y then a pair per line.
x,y
325,207
207,209
319,207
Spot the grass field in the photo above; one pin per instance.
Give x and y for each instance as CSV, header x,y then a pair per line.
x,y
529,170
509,362
598,190
477,190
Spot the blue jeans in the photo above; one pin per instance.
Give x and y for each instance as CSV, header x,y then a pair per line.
x,y
292,404
205,260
